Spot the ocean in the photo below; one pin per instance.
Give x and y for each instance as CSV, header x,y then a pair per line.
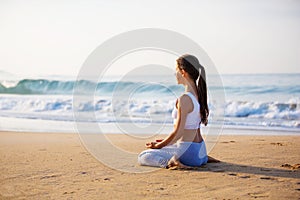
x,y
46,104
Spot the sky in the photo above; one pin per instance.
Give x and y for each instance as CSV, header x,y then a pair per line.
x,y
240,36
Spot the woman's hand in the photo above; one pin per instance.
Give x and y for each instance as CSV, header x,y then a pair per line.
x,y
152,145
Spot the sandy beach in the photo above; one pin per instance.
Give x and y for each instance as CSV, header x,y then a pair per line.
x,y
58,166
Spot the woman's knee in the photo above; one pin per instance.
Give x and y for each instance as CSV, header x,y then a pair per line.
x,y
144,157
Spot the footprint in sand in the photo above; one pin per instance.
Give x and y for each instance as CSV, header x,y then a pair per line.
x,y
276,143
69,192
293,167
267,178
239,175
258,194
232,174
50,176
226,142
244,176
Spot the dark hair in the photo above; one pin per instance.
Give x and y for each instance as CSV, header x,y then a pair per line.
x,y
191,65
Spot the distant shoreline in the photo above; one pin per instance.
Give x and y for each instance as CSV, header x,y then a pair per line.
x,y
110,128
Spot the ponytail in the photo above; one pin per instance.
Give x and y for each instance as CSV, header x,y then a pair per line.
x,y
192,66
202,95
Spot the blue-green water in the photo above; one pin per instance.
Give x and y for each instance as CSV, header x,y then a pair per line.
x,y
261,101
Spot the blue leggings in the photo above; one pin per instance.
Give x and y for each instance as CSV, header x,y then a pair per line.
x,y
189,153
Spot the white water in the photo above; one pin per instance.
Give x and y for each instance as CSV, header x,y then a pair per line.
x,y
269,102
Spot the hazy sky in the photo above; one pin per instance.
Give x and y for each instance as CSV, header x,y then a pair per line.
x,y
55,37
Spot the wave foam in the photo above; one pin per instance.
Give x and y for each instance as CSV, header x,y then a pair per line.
x,y
270,110
60,107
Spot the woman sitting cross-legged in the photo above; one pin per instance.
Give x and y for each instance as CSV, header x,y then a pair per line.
x,y
184,147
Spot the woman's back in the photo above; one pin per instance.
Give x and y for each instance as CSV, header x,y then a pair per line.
x,y
191,131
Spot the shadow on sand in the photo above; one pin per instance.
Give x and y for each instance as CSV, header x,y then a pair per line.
x,y
244,170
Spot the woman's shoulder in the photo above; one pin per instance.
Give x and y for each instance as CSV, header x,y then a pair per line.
x,y
185,98
185,101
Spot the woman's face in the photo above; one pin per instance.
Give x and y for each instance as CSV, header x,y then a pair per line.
x,y
178,75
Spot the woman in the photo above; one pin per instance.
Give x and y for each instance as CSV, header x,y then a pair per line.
x,y
184,147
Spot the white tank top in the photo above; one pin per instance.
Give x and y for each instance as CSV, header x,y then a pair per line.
x,y
193,118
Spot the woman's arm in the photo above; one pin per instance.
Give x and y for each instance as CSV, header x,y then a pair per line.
x,y
184,107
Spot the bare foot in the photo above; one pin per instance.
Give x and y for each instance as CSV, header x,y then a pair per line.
x,y
176,164
212,160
